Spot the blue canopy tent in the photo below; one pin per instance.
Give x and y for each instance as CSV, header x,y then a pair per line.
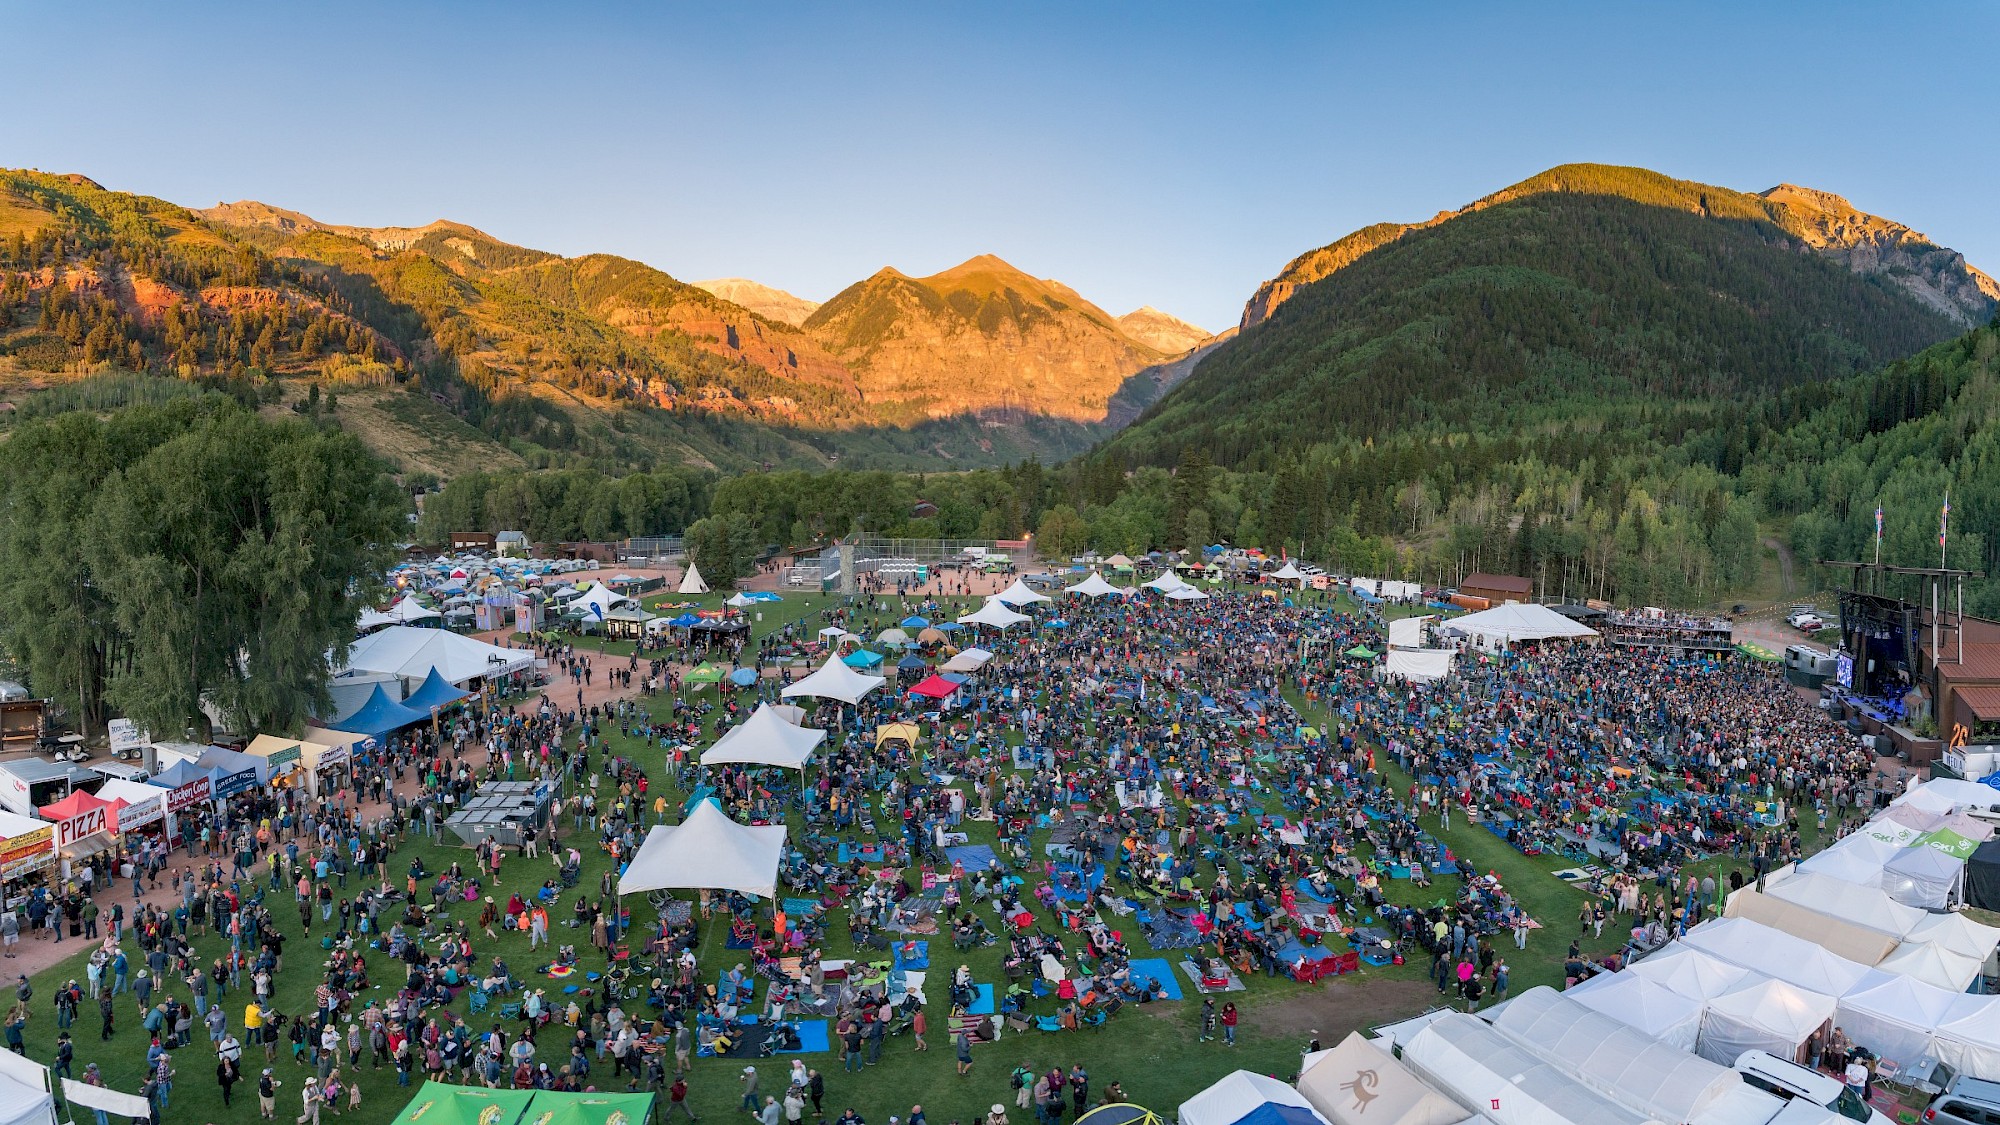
x,y
914,622
912,666
685,620
232,771
379,716
765,596
701,793
861,658
183,773
435,691
947,626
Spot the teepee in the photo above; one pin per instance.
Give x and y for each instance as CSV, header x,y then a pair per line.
x,y
692,583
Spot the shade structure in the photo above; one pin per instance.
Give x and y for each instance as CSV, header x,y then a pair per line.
x,y
692,582
834,633
1982,876
379,716
1969,1040
436,1103
739,600
915,622
931,637
1895,1019
1855,859
765,739
410,654
1095,586
1613,1058
1689,972
1922,877
1864,906
408,611
1774,953
907,733
1653,1009
1286,573
1518,621
892,637
707,851
1020,593
1958,934
791,713
1254,1099
969,660
996,614
1769,1015
1939,968
1859,944
743,677
1418,665
934,687
1186,594
1479,1066
588,1107
862,658
1167,582
833,680
1120,1113
1119,559
1358,1083
703,673
912,665
435,691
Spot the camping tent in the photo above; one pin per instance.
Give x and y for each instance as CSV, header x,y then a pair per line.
x,y
1922,877
439,1104
1613,1058
1408,632
410,654
1894,1019
1769,1015
707,851
1095,586
1652,1008
1249,1099
1864,906
994,613
1836,935
1358,1083
1517,621
1940,968
1689,972
764,739
834,680
1418,665
1020,593
1478,1065
691,582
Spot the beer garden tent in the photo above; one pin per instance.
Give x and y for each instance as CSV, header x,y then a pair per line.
x,y
1518,621
437,1103
1020,593
1654,1009
1689,972
379,716
1769,1015
1865,906
692,582
934,687
412,654
1330,1080
1095,586
1245,1098
1186,593
1894,1019
707,851
996,614
1774,953
833,680
764,739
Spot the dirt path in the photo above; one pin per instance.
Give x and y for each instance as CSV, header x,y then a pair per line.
x,y
1786,586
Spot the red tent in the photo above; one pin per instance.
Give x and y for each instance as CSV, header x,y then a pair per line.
x,y
79,803
935,687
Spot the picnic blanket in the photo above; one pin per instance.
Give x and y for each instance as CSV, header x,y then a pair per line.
x,y
1171,929
983,1003
868,853
1157,969
800,907
1194,974
973,857
1306,891
913,955
1086,881
679,912
914,916
751,1033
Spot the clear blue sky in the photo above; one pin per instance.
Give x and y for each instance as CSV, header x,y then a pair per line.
x,y
1154,153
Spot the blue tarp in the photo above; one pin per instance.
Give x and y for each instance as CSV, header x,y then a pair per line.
x,y
743,677
379,716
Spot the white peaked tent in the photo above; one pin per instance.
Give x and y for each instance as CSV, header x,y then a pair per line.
x,y
1939,968
834,680
994,613
1614,1059
1969,1041
372,618
691,582
1923,877
1864,906
1119,559
1095,587
1856,859
1773,953
1286,573
1186,593
1021,594
409,610
1418,665
1358,1083
1894,1019
1479,1066
766,739
1767,1016
1652,1008
708,851
1241,1093
1518,621
1408,632
740,600
409,653
1689,972
1168,581
1957,933
792,714
598,601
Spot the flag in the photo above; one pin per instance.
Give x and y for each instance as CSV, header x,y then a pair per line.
x,y
1878,525
1944,520
597,610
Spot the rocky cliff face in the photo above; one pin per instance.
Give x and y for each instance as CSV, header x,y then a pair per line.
x,y
1821,221
769,303
982,338
1160,331
1871,245
1149,386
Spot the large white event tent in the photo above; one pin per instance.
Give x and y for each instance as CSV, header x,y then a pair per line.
x,y
1096,587
692,582
1940,968
1332,1082
1287,573
1517,621
1186,593
410,653
765,739
1957,934
1894,1019
1836,935
1779,955
1864,906
1652,1008
834,680
707,851
1255,1099
1616,1060
1770,1015
1858,858
1020,593
1689,972
1477,1065
1167,582
994,613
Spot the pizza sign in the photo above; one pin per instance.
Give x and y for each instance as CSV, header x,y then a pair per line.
x,y
81,827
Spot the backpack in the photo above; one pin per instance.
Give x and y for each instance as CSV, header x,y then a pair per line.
x,y
1018,1080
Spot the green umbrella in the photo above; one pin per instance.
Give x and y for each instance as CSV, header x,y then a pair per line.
x,y
1362,652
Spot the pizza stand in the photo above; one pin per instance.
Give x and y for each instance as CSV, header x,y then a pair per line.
x,y
83,827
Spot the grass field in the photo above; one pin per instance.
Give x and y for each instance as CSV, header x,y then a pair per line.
x,y
1152,1050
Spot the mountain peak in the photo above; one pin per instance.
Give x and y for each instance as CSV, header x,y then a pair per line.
x,y
1160,331
769,303
980,263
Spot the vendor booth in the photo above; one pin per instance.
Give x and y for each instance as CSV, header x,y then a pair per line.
x,y
1358,1083
27,854
1767,1016
142,813
330,755
284,758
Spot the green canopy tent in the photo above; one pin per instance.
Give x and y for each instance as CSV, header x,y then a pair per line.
x,y
555,1107
438,1103
1361,652
706,673
1757,652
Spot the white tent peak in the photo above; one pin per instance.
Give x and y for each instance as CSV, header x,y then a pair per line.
x,y
692,582
1287,573
1518,621
766,739
1095,586
707,851
834,680
1168,581
994,613
1020,593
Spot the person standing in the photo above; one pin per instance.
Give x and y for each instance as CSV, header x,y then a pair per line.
x,y
309,1101
1208,1020
749,1080
816,1090
267,1095
918,1025
106,1008
226,1076
677,1095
